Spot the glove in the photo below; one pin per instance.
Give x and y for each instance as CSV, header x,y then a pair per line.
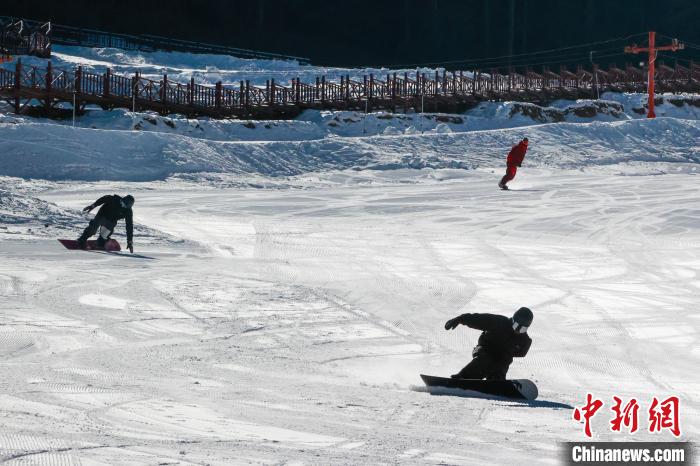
x,y
130,247
88,208
520,165
453,323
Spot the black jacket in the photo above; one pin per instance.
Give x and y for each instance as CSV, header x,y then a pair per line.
x,y
112,209
498,338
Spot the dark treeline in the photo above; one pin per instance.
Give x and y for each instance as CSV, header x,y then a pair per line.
x,y
377,32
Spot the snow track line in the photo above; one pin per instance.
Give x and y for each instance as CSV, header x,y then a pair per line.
x,y
17,456
323,293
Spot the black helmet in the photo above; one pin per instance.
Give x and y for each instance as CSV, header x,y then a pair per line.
x,y
522,319
128,201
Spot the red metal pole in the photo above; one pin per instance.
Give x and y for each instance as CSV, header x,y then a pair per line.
x,y
650,86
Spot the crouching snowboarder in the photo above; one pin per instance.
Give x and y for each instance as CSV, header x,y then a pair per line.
x,y
501,340
114,208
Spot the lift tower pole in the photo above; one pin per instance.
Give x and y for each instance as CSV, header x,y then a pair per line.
x,y
652,49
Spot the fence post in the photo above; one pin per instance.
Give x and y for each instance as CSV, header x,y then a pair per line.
x,y
49,77
241,95
105,83
342,87
578,73
527,79
347,87
78,80
217,95
190,92
323,88
134,90
371,85
164,89
510,79
595,78
247,94
561,76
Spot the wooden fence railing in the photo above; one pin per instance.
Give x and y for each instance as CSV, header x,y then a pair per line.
x,y
439,91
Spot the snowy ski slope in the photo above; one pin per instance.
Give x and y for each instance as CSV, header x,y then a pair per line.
x,y
287,288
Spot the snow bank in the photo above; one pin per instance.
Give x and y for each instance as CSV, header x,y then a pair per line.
x,y
58,152
25,216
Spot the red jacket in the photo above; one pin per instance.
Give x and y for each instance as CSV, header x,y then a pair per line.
x,y
517,154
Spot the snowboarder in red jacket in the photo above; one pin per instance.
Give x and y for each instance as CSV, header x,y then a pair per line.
x,y
514,160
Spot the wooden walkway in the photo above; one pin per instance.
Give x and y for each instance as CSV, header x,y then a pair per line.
x,y
42,89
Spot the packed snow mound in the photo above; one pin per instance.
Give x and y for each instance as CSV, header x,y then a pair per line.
x,y
583,110
25,216
55,152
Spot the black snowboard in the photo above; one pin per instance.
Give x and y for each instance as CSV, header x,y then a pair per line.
x,y
519,388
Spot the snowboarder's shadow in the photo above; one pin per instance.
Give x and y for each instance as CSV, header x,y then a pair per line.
x,y
443,391
123,254
541,404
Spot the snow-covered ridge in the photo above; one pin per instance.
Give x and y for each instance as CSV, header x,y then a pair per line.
x,y
205,68
58,152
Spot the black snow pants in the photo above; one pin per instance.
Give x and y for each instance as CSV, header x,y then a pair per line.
x,y
484,366
105,225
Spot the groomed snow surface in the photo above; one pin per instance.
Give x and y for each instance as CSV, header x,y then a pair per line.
x,y
290,282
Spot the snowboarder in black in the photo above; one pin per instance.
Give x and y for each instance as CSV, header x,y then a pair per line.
x,y
114,208
501,340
